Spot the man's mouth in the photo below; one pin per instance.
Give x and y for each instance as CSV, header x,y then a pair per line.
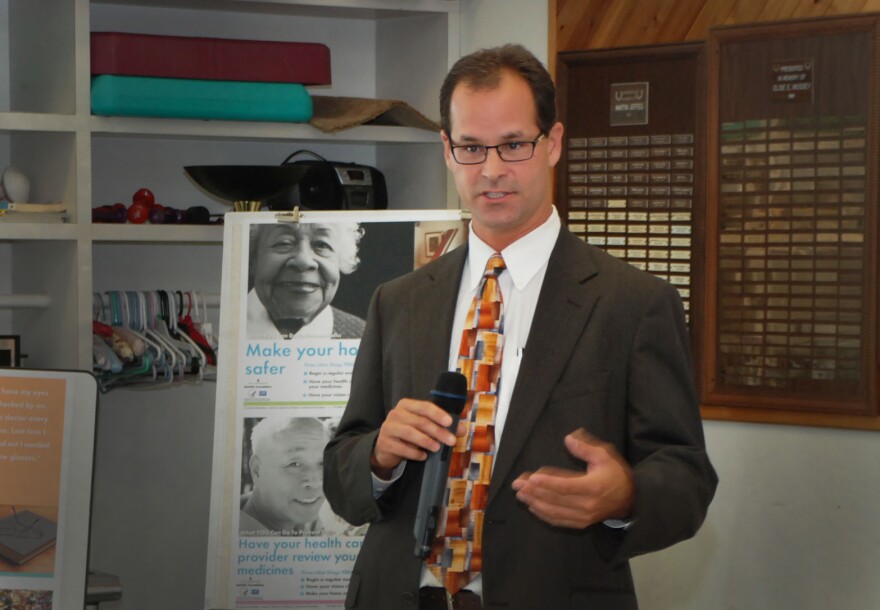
x,y
495,194
307,501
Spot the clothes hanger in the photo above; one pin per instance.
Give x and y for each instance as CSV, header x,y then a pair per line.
x,y
123,313
103,357
168,327
153,329
198,359
190,327
161,330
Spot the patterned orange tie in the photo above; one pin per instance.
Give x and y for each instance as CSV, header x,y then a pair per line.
x,y
457,553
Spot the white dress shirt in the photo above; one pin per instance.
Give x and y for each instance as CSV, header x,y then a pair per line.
x,y
520,283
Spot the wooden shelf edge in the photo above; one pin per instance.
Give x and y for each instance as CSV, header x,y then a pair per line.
x,y
790,418
350,9
132,127
38,231
110,233
35,121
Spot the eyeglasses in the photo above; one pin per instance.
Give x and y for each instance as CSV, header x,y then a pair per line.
x,y
511,152
20,530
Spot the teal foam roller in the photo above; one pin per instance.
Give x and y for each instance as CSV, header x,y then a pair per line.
x,y
117,95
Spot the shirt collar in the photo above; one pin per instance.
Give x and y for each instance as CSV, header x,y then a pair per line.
x,y
523,258
260,325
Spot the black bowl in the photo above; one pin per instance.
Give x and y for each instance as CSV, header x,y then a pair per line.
x,y
246,182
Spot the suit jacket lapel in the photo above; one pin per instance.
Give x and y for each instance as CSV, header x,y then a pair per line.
x,y
433,309
564,307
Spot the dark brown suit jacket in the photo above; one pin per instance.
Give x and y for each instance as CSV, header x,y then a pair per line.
x,y
608,351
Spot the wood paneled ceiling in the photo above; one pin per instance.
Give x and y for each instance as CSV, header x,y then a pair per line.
x,y
597,24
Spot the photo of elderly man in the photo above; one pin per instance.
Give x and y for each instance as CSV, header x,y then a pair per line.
x,y
284,496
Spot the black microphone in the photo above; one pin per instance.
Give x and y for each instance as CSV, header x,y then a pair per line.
x,y
450,394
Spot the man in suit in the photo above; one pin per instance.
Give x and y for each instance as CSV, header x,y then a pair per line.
x,y
599,445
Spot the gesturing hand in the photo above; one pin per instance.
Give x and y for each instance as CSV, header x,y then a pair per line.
x,y
579,498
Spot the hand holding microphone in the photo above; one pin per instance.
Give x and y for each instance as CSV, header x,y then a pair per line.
x,y
450,394
419,430
411,431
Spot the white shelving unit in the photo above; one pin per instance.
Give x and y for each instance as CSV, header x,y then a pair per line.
x,y
153,454
396,49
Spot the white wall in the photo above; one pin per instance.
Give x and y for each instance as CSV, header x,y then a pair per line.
x,y
795,525
4,55
489,23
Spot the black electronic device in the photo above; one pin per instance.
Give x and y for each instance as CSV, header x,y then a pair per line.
x,y
332,185
450,394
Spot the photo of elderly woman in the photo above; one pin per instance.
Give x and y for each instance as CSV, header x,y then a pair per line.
x,y
294,273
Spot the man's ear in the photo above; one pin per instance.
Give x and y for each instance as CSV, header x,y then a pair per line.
x,y
447,152
254,466
555,143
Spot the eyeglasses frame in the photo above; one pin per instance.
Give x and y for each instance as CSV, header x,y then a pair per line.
x,y
497,148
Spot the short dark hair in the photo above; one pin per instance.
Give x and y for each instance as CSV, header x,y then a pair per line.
x,y
483,69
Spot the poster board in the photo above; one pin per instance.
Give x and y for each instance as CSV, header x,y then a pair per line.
x,y
47,435
283,385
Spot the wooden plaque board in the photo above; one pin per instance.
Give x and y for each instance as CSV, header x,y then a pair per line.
x,y
631,177
791,220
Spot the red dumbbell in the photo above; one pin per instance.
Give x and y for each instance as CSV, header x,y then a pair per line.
x,y
138,213
144,196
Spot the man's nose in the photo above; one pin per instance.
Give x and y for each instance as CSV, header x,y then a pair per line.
x,y
313,477
494,166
